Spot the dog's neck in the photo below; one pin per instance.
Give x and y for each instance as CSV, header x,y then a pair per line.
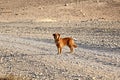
x,y
57,40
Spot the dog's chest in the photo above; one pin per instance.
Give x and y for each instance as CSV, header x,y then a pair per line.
x,y
59,43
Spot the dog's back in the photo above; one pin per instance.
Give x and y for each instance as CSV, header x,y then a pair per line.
x,y
68,41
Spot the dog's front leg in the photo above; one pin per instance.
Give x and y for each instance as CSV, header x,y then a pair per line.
x,y
71,49
59,50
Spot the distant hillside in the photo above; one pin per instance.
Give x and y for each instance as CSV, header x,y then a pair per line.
x,y
59,10
21,3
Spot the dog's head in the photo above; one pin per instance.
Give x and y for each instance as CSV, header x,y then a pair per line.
x,y
56,36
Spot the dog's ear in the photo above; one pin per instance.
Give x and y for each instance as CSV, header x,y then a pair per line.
x,y
53,34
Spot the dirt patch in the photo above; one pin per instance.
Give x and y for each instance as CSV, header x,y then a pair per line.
x,y
28,50
58,10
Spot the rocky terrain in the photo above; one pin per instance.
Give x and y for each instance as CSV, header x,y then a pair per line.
x,y
28,51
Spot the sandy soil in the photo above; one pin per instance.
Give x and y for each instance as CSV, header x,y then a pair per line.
x,y
28,51
58,10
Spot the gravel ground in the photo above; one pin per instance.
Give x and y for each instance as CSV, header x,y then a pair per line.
x,y
27,50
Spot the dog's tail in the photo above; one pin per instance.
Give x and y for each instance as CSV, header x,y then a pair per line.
x,y
75,46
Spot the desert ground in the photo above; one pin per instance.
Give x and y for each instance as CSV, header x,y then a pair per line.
x,y
28,51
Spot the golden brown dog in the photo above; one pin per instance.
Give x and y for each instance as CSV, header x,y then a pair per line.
x,y
61,42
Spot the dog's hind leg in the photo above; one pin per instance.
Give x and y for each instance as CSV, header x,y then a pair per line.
x,y
71,49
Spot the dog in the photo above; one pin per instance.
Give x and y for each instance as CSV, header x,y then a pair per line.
x,y
61,42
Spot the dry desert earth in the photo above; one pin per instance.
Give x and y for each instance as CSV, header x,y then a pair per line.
x,y
28,51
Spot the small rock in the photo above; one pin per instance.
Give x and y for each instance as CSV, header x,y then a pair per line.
x,y
2,60
66,4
